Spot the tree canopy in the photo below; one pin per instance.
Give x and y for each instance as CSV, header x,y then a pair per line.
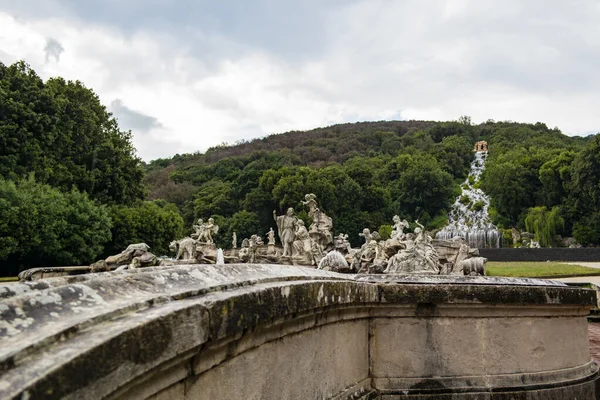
x,y
59,131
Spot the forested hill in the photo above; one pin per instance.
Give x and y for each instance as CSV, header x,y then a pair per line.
x,y
334,143
366,172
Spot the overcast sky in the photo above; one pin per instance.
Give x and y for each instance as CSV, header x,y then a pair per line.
x,y
185,75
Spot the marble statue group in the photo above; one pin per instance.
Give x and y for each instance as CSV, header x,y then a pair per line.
x,y
403,252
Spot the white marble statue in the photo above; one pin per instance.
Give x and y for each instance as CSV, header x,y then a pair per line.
x,y
198,228
311,203
398,228
234,241
185,248
258,240
369,236
341,244
208,230
286,225
302,242
271,237
417,255
320,229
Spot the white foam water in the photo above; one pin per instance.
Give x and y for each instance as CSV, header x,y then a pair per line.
x,y
220,257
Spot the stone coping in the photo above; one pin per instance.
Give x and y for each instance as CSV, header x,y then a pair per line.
x,y
51,326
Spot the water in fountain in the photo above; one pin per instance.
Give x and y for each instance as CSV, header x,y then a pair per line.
x,y
469,216
220,257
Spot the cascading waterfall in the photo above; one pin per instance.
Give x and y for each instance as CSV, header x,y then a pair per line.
x,y
469,216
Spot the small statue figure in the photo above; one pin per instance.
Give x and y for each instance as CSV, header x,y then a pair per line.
x,y
341,244
271,237
258,240
245,243
311,203
234,240
252,244
207,231
422,235
398,228
286,225
198,228
302,243
366,233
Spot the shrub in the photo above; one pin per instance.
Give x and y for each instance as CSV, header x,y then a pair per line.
x,y
41,226
155,223
478,206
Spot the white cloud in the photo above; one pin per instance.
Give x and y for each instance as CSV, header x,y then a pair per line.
x,y
377,59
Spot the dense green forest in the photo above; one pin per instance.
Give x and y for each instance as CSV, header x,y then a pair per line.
x,y
72,188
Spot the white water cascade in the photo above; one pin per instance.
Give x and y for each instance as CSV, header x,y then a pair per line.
x,y
469,216
220,257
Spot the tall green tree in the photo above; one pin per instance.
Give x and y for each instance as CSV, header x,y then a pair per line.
x,y
545,224
423,189
586,179
60,131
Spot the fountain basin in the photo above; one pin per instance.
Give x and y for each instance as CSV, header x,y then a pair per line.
x,y
287,332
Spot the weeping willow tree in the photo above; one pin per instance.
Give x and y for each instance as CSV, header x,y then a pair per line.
x,y
544,224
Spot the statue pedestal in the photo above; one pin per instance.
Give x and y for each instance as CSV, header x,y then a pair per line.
x,y
270,249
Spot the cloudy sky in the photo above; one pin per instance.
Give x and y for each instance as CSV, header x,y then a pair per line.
x,y
185,75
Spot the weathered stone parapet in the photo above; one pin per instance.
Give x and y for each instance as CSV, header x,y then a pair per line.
x,y
285,332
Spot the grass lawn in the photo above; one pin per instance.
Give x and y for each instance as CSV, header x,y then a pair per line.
x,y
8,278
538,270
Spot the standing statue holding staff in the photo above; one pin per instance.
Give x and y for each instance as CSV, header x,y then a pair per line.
x,y
286,224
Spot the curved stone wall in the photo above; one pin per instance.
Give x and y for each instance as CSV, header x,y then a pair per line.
x,y
284,332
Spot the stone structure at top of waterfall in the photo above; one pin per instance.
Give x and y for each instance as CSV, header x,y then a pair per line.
x,y
481,146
